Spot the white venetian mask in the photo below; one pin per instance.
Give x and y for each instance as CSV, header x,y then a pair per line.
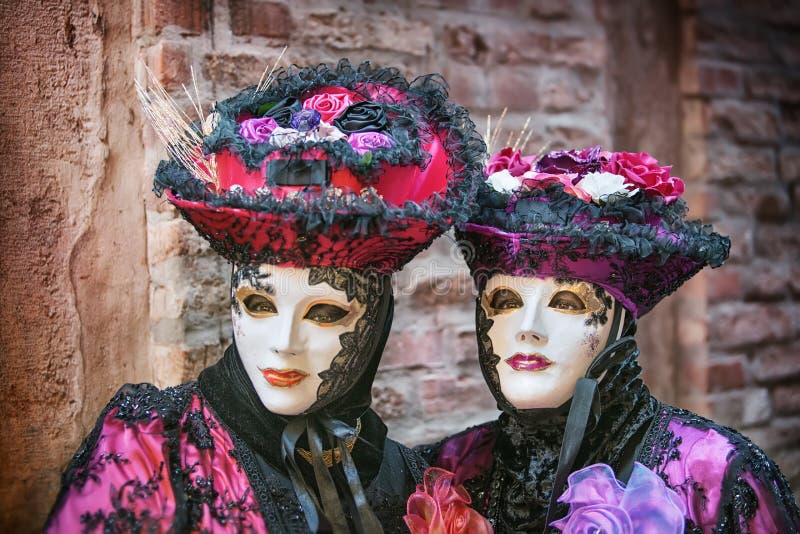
x,y
546,332
287,332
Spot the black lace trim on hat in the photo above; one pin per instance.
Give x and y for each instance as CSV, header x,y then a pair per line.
x,y
429,100
552,214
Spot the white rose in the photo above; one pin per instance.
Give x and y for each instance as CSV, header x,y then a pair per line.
x,y
285,136
328,132
601,186
503,182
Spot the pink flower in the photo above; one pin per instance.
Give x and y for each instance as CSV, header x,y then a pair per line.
x,y
441,507
257,130
330,102
643,171
510,159
543,179
363,142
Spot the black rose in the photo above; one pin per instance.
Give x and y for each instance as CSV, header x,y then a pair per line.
x,y
282,111
362,117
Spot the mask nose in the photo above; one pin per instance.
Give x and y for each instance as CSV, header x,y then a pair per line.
x,y
285,342
531,329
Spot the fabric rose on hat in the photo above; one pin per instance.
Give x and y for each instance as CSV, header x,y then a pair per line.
x,y
532,180
604,186
643,171
439,506
363,142
601,504
577,162
511,160
257,130
330,102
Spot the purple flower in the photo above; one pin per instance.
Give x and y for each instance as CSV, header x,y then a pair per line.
x,y
363,142
572,161
306,120
601,504
257,130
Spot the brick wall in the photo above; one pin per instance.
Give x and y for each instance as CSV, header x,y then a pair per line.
x,y
740,94
711,86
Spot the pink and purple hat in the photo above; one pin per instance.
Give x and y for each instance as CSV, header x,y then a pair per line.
x,y
341,166
615,219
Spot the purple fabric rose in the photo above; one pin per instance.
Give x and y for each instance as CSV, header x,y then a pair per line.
x,y
306,120
257,130
363,142
601,504
578,162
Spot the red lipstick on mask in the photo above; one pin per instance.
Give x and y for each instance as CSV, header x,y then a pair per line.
x,y
528,362
283,378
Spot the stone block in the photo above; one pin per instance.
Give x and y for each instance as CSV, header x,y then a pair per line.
x,y
724,284
781,432
261,19
774,85
448,394
514,87
465,44
746,121
170,61
413,348
778,241
786,399
732,162
757,408
726,373
562,90
711,79
739,324
789,163
191,16
236,71
774,363
790,121
469,86
388,402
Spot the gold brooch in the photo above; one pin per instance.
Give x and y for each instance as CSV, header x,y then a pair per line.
x,y
331,455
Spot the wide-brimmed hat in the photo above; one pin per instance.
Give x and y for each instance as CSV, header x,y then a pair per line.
x,y
329,166
612,218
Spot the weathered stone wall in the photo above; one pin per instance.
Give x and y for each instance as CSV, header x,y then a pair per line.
x,y
740,99
103,284
74,280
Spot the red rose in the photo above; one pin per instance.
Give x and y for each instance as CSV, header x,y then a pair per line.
x,y
542,179
509,159
643,171
331,102
441,507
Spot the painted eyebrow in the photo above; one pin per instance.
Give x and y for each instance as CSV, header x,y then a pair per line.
x,y
256,279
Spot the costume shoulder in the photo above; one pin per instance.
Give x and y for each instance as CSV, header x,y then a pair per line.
x,y
466,454
727,482
121,473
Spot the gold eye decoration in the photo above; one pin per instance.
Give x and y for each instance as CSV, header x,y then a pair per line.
x,y
504,300
575,299
259,305
326,313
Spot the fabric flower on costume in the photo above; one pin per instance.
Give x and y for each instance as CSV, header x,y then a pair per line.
x,y
601,504
331,103
643,171
542,179
604,186
306,120
503,181
439,506
362,117
286,136
328,132
363,142
510,160
282,111
257,130
578,162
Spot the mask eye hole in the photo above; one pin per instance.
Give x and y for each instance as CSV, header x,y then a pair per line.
x,y
326,313
568,302
504,300
259,305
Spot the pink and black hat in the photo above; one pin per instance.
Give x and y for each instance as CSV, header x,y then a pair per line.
x,y
330,166
612,218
